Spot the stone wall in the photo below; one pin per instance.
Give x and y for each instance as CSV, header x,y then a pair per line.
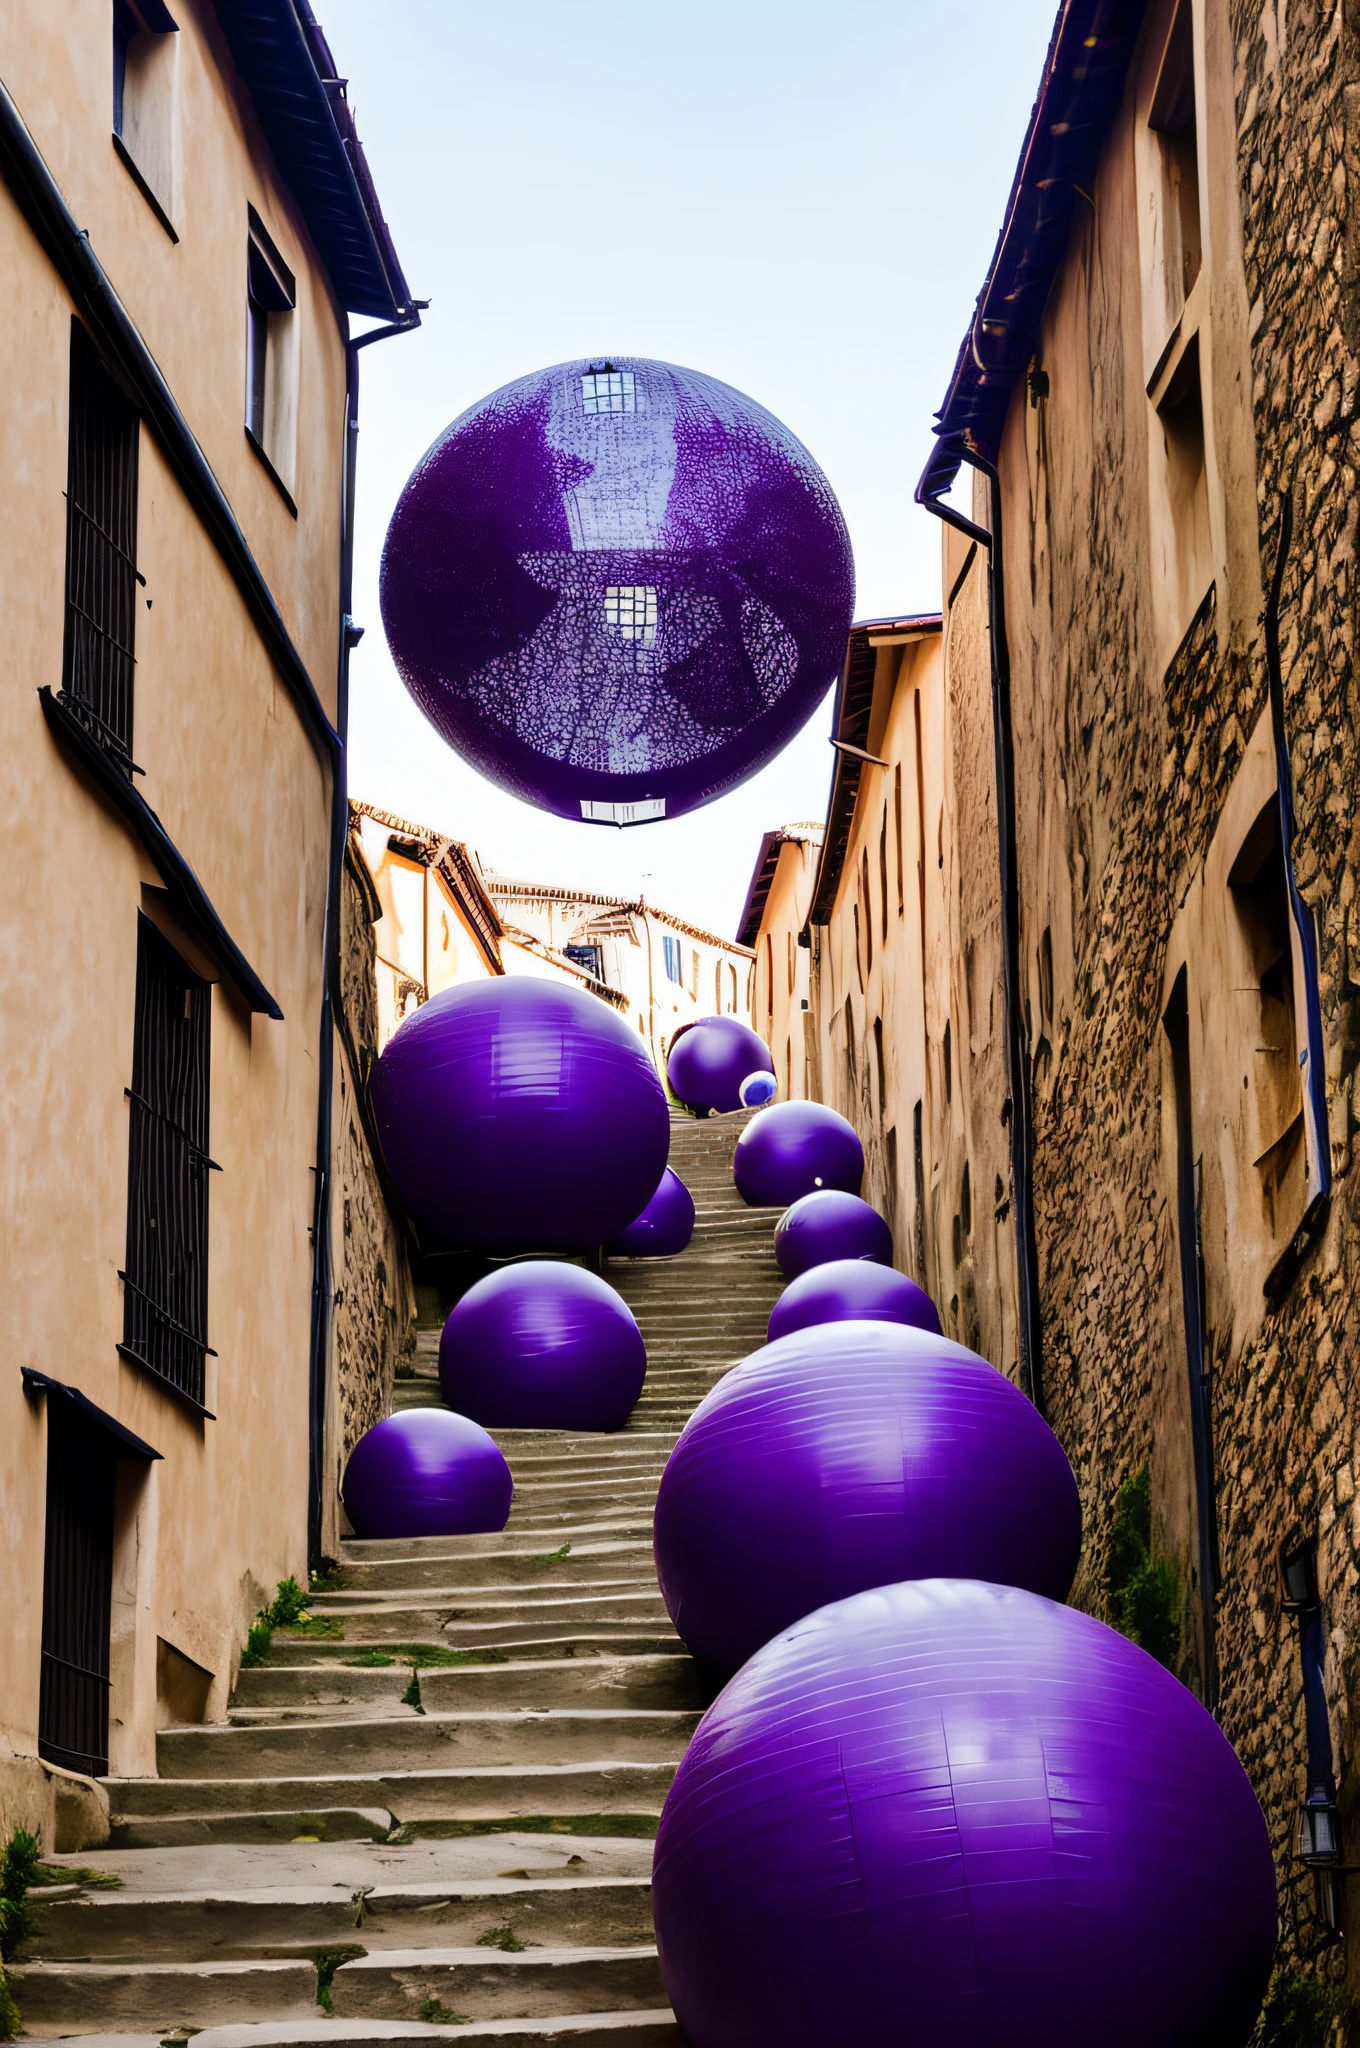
x,y
373,1325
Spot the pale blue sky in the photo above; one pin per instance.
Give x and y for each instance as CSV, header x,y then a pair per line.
x,y
800,200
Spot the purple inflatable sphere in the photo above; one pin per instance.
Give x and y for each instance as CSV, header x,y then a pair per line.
x,y
426,1473
830,1225
617,587
542,1346
520,1116
710,1061
664,1227
852,1291
951,1812
791,1150
849,1456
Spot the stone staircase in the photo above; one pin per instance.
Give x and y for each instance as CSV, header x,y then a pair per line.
x,y
433,1811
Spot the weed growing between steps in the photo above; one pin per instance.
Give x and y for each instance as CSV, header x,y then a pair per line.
x,y
549,1557
436,2015
505,1939
423,1656
632,1827
287,1610
411,1696
18,1863
76,1873
328,1961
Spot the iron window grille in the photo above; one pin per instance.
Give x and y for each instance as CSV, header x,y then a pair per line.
x,y
670,953
101,566
165,1284
73,1696
608,390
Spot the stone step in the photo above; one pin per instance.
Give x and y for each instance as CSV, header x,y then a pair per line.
x,y
62,1997
274,1924
655,1681
397,1620
656,2029
604,1785
269,1826
376,1550
488,1983
434,1740
480,1579
548,1640
505,1567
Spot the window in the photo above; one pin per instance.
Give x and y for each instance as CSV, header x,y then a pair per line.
x,y
608,390
868,912
882,1069
101,542
631,610
1273,1086
670,953
589,957
1186,544
145,54
165,1308
769,975
883,875
897,822
73,1699
271,355
1172,120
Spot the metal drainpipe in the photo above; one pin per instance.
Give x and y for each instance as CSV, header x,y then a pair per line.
x,y
322,1273
1017,1062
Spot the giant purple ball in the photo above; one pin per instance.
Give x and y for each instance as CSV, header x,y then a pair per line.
x,y
664,1227
956,1813
426,1473
519,1115
852,1290
710,1060
542,1346
617,584
848,1456
830,1225
792,1149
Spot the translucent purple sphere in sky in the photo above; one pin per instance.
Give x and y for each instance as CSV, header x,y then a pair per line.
x,y
618,588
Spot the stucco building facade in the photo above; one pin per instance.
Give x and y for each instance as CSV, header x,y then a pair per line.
x,y
186,227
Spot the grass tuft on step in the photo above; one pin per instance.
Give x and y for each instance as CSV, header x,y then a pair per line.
x,y
327,1962
436,2015
423,1656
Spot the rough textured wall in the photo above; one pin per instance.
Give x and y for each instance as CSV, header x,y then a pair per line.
x,y
374,1317
1123,768
1290,1463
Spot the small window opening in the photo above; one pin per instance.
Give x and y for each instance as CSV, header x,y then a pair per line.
x,y
868,913
883,876
271,353
1172,119
882,1070
897,825
1260,897
919,1190
589,957
99,658
769,975
630,608
1046,975
1181,413
608,390
144,100
966,1201
165,1286
851,1064
948,1060
671,955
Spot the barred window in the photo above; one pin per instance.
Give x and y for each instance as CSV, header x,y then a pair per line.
x,y
608,390
101,542
165,1308
670,952
630,608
